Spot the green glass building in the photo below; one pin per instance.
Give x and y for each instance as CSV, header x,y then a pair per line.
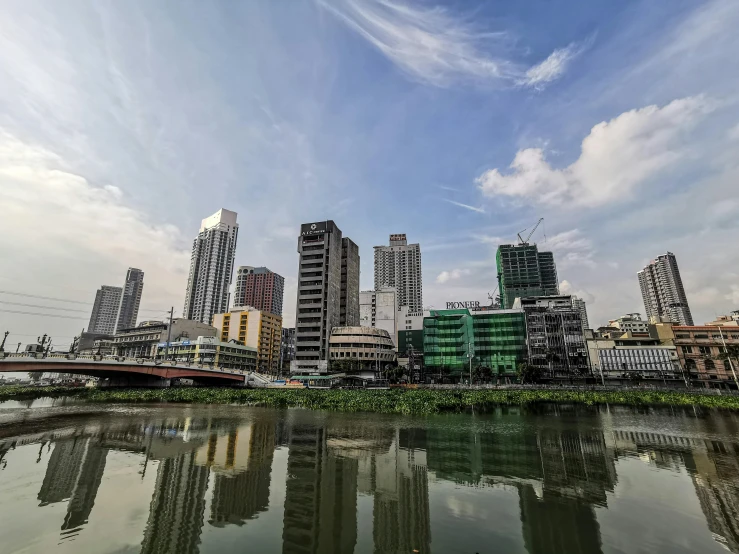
x,y
494,339
523,271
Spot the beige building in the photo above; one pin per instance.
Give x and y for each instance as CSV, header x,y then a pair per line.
x,y
363,349
256,328
731,320
142,341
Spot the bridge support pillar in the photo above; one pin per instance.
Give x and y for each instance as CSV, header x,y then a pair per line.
x,y
149,381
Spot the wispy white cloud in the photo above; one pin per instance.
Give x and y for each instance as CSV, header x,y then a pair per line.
x,y
616,157
444,187
438,47
487,239
571,248
452,275
551,68
465,206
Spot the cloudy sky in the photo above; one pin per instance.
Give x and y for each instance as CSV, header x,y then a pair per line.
x,y
123,124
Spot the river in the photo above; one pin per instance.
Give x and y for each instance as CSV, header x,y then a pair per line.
x,y
83,477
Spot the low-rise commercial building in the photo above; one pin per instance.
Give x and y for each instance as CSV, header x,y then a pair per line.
x,y
259,329
210,351
360,349
142,341
555,339
702,353
455,340
631,358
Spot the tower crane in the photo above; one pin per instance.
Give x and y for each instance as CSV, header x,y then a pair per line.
x,y
523,241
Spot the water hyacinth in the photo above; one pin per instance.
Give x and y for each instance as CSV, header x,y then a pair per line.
x,y
398,401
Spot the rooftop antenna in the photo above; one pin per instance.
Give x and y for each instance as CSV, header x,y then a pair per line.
x,y
525,242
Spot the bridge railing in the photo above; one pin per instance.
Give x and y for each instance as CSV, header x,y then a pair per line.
x,y
52,357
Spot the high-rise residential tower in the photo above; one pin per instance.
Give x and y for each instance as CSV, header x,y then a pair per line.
x,y
328,292
399,265
130,299
211,267
259,288
105,310
523,271
663,292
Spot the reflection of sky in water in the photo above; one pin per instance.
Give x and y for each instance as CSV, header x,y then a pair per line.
x,y
81,477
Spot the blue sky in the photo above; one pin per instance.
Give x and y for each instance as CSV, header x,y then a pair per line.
x,y
122,125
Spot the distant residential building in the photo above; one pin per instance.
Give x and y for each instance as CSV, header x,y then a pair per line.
x,y
455,340
105,310
399,265
628,358
133,288
555,340
211,267
210,350
579,305
378,308
287,347
731,320
142,341
259,329
260,288
328,293
523,271
366,350
663,292
630,322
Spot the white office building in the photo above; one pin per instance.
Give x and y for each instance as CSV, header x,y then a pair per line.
x,y
105,310
630,322
399,265
377,309
211,267
579,305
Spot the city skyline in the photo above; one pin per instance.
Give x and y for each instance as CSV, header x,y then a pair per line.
x,y
117,168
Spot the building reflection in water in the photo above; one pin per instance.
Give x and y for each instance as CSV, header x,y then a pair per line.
x,y
561,472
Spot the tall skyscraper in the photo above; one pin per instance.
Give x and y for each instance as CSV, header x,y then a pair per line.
x,y
523,271
105,310
259,288
399,265
130,299
328,292
663,292
211,267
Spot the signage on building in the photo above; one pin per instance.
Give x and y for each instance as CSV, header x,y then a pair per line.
x,y
460,305
185,343
313,228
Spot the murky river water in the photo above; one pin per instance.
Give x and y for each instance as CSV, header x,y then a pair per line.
x,y
78,477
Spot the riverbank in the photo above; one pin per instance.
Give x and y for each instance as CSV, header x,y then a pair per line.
x,y
416,402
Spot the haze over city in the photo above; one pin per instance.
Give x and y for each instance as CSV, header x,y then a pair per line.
x,y
122,126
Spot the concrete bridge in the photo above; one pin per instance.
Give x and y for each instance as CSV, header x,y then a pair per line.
x,y
120,371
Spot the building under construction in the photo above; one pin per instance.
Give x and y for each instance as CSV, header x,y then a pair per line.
x,y
523,271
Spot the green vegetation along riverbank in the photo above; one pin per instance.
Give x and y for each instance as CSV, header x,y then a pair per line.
x,y
417,402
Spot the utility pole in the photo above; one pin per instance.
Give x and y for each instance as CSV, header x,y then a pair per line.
x,y
2,346
470,353
731,364
17,348
169,334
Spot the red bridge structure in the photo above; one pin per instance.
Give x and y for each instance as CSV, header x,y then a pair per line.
x,y
121,372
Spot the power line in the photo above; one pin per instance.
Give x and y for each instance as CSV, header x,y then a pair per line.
x,y
45,315
45,297
151,310
42,307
